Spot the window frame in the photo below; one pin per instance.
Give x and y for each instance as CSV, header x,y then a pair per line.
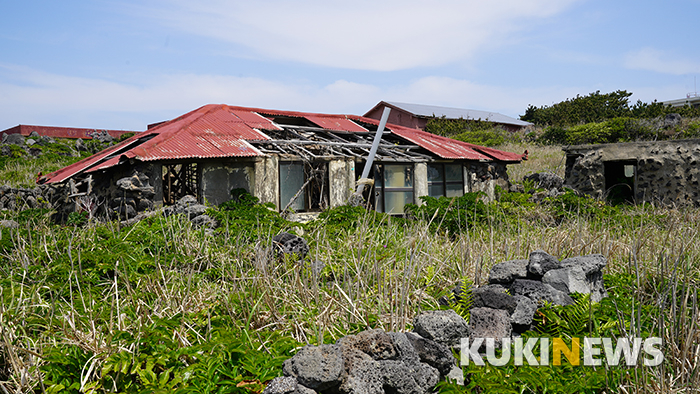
x,y
381,189
444,182
308,193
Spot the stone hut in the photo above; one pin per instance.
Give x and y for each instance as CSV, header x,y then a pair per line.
x,y
662,172
301,161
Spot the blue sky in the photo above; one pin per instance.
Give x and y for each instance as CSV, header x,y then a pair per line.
x,y
125,64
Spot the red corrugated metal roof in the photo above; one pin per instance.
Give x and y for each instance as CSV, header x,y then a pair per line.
x,y
85,164
254,120
446,148
217,130
62,132
209,132
336,123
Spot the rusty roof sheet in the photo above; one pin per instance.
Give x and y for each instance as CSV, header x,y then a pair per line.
x,y
337,123
63,132
446,148
218,130
85,164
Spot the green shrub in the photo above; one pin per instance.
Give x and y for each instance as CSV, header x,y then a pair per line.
x,y
451,215
244,216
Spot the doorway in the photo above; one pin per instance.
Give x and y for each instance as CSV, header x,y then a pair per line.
x,y
620,181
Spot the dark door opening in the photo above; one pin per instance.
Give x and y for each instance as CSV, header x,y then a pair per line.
x,y
620,181
180,180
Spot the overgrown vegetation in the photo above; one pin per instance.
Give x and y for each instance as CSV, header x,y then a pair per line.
x,y
473,131
161,306
597,107
609,118
21,167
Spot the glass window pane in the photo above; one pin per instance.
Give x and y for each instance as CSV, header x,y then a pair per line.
x,y
398,175
291,180
379,200
435,189
434,172
454,189
453,172
378,175
394,202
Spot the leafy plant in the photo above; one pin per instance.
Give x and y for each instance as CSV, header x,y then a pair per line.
x,y
451,215
462,302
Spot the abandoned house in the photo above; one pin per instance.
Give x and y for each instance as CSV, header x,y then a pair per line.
x,y
301,161
416,116
662,172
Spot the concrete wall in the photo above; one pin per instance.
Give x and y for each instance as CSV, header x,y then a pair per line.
x,y
267,180
220,177
667,172
485,177
341,181
468,177
420,182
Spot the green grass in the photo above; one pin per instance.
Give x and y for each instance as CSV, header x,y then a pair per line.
x,y
21,169
75,301
161,306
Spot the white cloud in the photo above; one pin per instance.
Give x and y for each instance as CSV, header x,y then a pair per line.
x,y
33,96
370,35
37,97
652,59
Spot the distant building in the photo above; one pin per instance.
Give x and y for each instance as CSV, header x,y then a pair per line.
x,y
416,116
692,99
62,132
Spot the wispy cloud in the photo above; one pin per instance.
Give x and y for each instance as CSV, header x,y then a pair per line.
x,y
652,59
369,35
34,96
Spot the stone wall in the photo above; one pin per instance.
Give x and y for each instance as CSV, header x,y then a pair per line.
x,y
379,362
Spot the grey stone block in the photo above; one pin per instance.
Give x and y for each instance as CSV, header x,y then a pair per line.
x,y
489,323
432,353
316,367
403,378
493,297
524,312
540,262
538,292
445,327
281,385
508,271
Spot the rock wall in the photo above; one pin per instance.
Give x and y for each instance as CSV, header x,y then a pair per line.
x,y
379,362
20,199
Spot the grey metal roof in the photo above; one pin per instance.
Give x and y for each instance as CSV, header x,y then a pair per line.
x,y
456,113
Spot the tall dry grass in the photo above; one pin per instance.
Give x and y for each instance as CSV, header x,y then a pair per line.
x,y
375,275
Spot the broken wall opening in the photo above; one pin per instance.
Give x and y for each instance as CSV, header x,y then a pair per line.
x,y
180,180
304,186
620,181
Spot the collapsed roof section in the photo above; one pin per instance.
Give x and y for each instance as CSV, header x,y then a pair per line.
x,y
217,131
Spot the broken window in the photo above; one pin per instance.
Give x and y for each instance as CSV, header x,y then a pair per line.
x,y
620,179
445,180
303,186
180,180
393,187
